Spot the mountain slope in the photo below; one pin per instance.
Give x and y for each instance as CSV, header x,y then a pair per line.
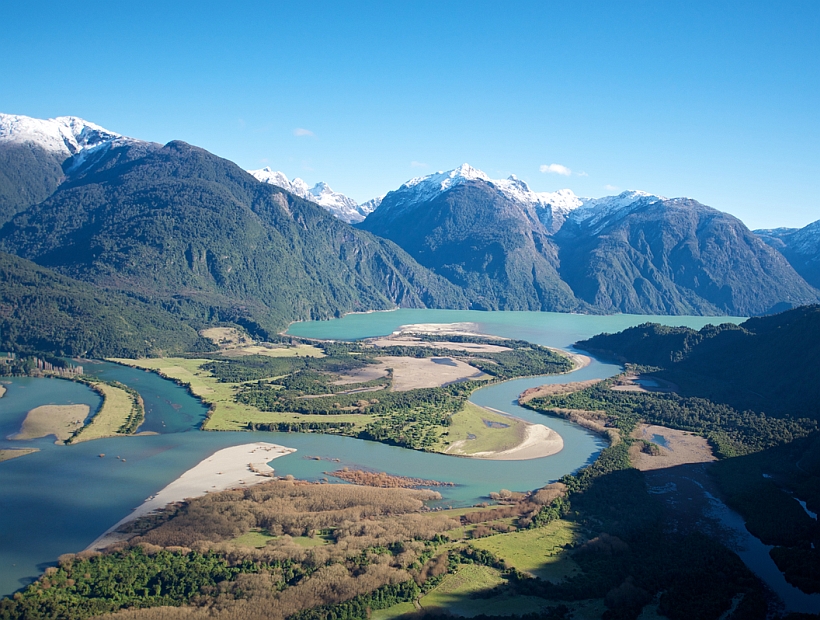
x,y
800,246
768,364
179,222
343,207
43,311
462,227
675,257
32,154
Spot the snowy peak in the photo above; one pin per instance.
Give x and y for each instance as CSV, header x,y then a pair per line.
x,y
64,136
551,208
595,212
337,204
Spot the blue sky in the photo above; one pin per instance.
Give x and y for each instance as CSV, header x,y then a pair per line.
x,y
718,101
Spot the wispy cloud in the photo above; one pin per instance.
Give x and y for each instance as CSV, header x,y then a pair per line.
x,y
555,169
418,164
581,174
301,132
612,188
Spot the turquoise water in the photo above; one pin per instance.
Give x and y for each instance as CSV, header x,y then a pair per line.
x,y
60,499
550,328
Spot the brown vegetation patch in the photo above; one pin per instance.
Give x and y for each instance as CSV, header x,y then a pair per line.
x,y
681,448
555,390
384,480
641,383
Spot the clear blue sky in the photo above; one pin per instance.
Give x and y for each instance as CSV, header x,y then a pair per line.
x,y
719,101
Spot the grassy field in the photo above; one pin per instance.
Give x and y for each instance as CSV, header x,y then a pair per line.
x,y
470,421
396,611
254,538
116,408
227,415
13,453
539,551
455,595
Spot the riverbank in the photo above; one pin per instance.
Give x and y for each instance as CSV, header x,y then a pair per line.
x,y
237,466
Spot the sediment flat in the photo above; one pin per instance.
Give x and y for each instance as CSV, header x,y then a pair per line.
x,y
229,468
539,441
58,420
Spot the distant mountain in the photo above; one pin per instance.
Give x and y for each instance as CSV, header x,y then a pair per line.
x,y
675,257
512,248
180,224
346,209
41,310
33,153
800,246
751,366
488,237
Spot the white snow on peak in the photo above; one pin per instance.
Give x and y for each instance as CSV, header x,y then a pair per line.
x,y
806,240
64,136
551,208
595,212
341,206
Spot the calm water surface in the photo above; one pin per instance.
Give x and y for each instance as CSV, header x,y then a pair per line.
x,y
60,499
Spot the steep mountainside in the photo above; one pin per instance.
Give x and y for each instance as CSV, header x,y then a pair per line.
x,y
768,364
343,207
43,311
32,152
179,222
674,257
800,246
478,238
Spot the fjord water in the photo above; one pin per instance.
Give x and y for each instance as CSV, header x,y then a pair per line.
x,y
60,499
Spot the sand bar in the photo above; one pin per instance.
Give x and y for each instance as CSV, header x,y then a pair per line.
x,y
229,468
58,420
13,453
540,441
450,329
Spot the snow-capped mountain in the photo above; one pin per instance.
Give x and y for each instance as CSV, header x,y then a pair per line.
x,y
800,246
341,206
64,136
595,213
551,208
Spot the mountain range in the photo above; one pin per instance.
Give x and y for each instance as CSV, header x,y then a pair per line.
x,y
514,249
192,236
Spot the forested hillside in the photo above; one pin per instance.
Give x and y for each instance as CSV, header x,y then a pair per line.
x,y
768,364
43,311
676,257
178,223
482,241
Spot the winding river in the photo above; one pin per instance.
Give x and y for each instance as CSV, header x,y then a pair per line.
x,y
58,500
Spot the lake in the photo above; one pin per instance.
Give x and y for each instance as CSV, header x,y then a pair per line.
x,y
60,499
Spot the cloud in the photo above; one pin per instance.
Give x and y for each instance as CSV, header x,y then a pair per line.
x,y
300,132
418,164
611,188
582,174
556,169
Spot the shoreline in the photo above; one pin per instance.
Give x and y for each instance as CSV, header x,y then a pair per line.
x,y
235,467
539,442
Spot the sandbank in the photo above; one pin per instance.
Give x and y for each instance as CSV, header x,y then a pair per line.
x,y
449,329
681,448
539,441
13,453
2,390
237,466
409,341
58,420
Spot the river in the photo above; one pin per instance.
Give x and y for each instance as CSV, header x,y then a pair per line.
x,y
61,498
